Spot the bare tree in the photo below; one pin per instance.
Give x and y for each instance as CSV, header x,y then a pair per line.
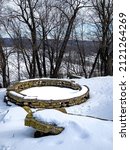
x,y
49,25
45,19
69,10
3,64
26,13
46,24
15,31
81,48
103,10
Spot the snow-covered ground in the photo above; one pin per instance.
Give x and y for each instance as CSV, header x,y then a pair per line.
x,y
57,93
100,102
81,132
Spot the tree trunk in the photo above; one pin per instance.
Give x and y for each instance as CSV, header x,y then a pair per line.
x,y
109,68
35,59
18,61
44,51
64,44
94,64
32,27
3,66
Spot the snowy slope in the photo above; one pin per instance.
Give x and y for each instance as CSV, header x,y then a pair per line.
x,y
100,103
81,133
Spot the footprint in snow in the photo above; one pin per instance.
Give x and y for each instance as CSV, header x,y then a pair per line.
x,y
77,131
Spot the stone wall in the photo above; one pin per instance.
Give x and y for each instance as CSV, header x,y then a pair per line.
x,y
14,95
42,127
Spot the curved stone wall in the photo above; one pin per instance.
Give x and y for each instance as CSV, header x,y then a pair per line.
x,y
42,127
14,95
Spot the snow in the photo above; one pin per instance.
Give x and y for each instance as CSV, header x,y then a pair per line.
x,y
100,102
55,117
2,94
78,128
80,132
57,93
16,94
